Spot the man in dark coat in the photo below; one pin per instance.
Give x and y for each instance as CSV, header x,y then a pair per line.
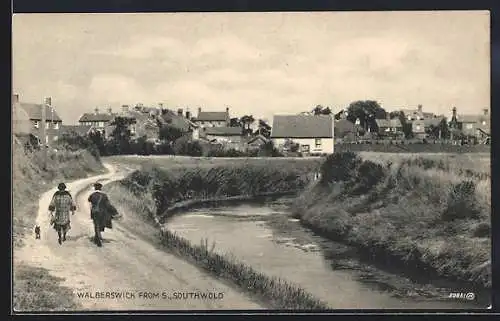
x,y
101,212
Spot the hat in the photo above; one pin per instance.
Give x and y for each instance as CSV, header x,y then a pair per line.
x,y
97,185
61,186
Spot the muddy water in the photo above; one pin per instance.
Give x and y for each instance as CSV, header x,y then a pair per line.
x,y
264,236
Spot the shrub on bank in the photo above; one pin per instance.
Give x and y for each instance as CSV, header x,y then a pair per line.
x,y
419,212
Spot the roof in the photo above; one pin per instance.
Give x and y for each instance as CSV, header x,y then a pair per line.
x,y
433,121
255,138
302,126
223,131
177,121
212,116
35,112
97,117
395,122
78,129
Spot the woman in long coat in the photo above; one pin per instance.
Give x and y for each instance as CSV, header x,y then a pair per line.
x,y
62,204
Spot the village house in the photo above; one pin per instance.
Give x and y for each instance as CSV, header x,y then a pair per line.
x,y
98,121
477,126
33,113
421,128
255,142
213,118
416,114
222,134
390,128
181,121
21,124
314,134
345,130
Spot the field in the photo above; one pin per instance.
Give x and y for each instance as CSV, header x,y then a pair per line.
x,y
172,162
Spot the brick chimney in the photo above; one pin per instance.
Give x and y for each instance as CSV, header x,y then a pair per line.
x,y
454,112
124,108
227,110
15,98
485,111
160,105
180,112
188,114
419,108
96,110
199,111
110,111
48,101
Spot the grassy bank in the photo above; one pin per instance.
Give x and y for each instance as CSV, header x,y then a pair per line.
x,y
422,213
31,285
168,184
276,293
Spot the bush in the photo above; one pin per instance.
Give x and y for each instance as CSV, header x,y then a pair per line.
x,y
482,230
461,202
339,167
188,148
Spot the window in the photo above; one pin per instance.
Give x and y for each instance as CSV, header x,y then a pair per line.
x,y
317,142
36,124
305,148
47,125
46,139
56,125
418,127
468,126
56,138
101,124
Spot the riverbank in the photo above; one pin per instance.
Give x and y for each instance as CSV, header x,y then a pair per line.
x,y
155,193
34,288
273,292
417,213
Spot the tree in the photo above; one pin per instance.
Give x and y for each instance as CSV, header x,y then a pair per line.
x,y
169,133
366,111
320,110
264,129
407,126
121,135
440,130
247,121
235,122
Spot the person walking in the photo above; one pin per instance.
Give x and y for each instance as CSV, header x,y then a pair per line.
x,y
62,204
101,212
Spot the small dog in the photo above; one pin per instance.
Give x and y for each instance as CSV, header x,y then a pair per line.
x,y
37,232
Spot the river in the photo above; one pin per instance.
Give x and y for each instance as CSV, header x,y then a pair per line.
x,y
264,236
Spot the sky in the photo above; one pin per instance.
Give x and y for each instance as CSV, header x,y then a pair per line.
x,y
254,63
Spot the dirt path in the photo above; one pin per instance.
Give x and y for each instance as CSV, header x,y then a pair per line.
x,y
127,265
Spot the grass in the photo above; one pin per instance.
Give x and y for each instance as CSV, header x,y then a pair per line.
x,y
276,293
429,212
167,181
35,288
40,291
